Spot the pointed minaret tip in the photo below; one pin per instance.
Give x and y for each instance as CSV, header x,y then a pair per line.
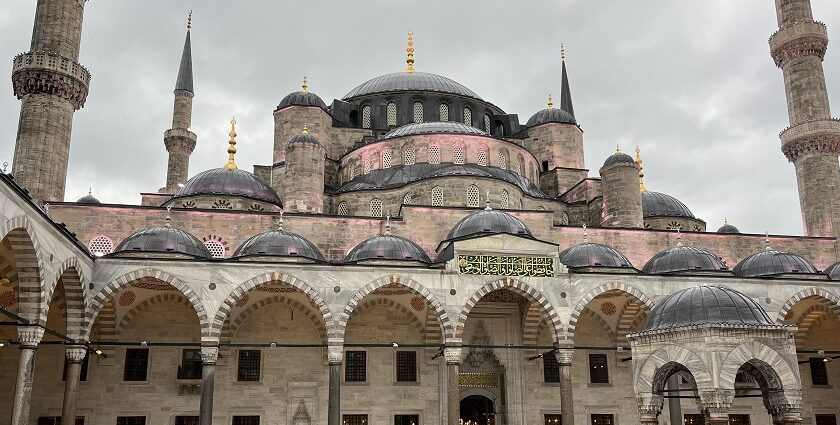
x,y
563,51
566,91
409,50
189,21
185,74
231,164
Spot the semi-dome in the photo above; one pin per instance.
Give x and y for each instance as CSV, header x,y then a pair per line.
x,y
88,199
302,97
432,128
387,247
589,254
706,305
833,271
229,181
163,240
551,115
619,158
655,204
488,221
728,228
279,243
772,263
410,81
683,259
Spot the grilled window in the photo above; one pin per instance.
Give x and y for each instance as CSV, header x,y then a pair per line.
x,y
598,372
136,365
407,199
505,199
458,154
694,419
468,116
368,164
101,245
551,369
406,366
472,196
418,112
601,419
444,112
392,114
520,165
366,121
354,420
551,419
375,207
131,420
482,155
406,419
437,196
186,420
190,367
386,159
217,250
248,369
355,366
434,154
819,374
822,419
487,124
56,420
343,209
246,420
739,419
408,154
503,160
82,374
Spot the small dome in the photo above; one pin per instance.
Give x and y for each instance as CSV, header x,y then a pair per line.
x,y
301,98
728,228
226,181
772,263
488,221
164,240
433,127
683,259
619,158
655,204
590,254
551,115
706,305
304,138
833,271
387,247
279,243
410,81
88,199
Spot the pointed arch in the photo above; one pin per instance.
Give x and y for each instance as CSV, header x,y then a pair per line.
x,y
125,280
232,326
530,293
444,322
648,372
595,317
826,296
766,359
314,297
29,265
370,303
143,306
603,289
72,282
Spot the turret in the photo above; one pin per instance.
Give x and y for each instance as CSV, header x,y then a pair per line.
x,y
293,112
622,200
51,85
304,183
179,140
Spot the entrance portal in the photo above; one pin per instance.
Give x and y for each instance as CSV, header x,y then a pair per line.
x,y
477,409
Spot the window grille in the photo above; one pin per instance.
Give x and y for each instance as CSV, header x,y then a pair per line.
x,y
520,165
418,112
551,419
482,156
366,121
822,419
376,207
246,420
502,160
352,172
101,245
694,419
131,420
355,366
505,199
819,375
342,208
190,367
406,366
222,204
458,154
217,250
598,372
248,369
468,116
408,199
392,113
406,419
602,419
186,420
444,112
56,420
739,419
136,364
551,368
487,124
386,159
434,154
472,196
354,420
437,196
368,164
408,154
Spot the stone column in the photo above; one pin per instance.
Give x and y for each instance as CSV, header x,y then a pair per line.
x,y
650,406
335,355
785,407
209,355
674,407
75,356
567,403
30,337
716,404
453,388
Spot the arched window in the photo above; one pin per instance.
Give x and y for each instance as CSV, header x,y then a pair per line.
x,y
375,207
520,165
366,122
434,154
392,113
217,250
418,111
352,171
482,155
101,245
531,173
502,160
505,199
343,209
444,112
407,199
564,218
472,196
487,124
437,196
368,164
408,154
386,159
468,116
458,154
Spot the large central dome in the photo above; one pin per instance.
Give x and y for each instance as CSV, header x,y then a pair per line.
x,y
410,81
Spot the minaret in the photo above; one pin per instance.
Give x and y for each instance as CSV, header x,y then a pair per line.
x,y
812,142
51,85
565,90
179,140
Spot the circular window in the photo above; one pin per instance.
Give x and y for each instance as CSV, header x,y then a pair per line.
x,y
101,245
217,250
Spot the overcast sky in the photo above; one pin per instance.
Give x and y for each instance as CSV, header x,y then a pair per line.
x,y
690,81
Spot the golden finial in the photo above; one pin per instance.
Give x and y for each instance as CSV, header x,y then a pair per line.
x,y
304,87
305,130
388,224
90,191
280,222
410,51
189,21
563,51
642,187
725,221
617,149
550,102
231,165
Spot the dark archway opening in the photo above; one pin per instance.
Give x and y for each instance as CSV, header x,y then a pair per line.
x,y
477,409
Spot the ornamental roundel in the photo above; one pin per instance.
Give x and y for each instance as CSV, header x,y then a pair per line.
x,y
608,308
127,298
242,301
8,299
418,303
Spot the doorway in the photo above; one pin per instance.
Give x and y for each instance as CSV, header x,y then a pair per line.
x,y
477,409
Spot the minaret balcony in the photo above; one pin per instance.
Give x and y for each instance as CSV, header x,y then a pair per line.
x,y
50,73
812,136
798,40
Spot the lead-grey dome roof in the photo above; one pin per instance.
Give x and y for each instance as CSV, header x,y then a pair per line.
x,y
488,221
619,158
279,243
772,263
226,181
433,127
833,271
88,199
706,305
387,247
551,115
410,81
728,228
683,259
589,254
655,204
165,239
301,98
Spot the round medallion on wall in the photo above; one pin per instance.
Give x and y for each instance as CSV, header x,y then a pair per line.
x,y
452,292
418,303
562,295
608,308
212,285
127,298
8,299
337,289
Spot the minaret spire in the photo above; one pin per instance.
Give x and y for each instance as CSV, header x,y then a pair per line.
x,y
566,92
185,74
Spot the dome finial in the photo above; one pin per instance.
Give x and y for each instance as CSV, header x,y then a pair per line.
x,y
585,234
168,218
280,222
767,241
725,221
642,187
90,191
304,87
231,165
410,53
550,102
305,130
617,149
189,21
679,236
388,224
487,201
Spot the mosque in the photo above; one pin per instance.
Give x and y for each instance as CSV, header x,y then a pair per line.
x,y
409,254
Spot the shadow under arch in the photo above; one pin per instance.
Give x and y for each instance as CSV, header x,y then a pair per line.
x,y
31,287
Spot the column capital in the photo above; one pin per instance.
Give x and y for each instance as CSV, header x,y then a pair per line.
x,y
452,354
209,354
30,336
75,353
650,406
335,350
716,404
564,356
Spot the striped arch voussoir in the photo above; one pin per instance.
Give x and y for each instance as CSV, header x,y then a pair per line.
x,y
232,326
145,305
827,298
30,268
72,280
600,290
